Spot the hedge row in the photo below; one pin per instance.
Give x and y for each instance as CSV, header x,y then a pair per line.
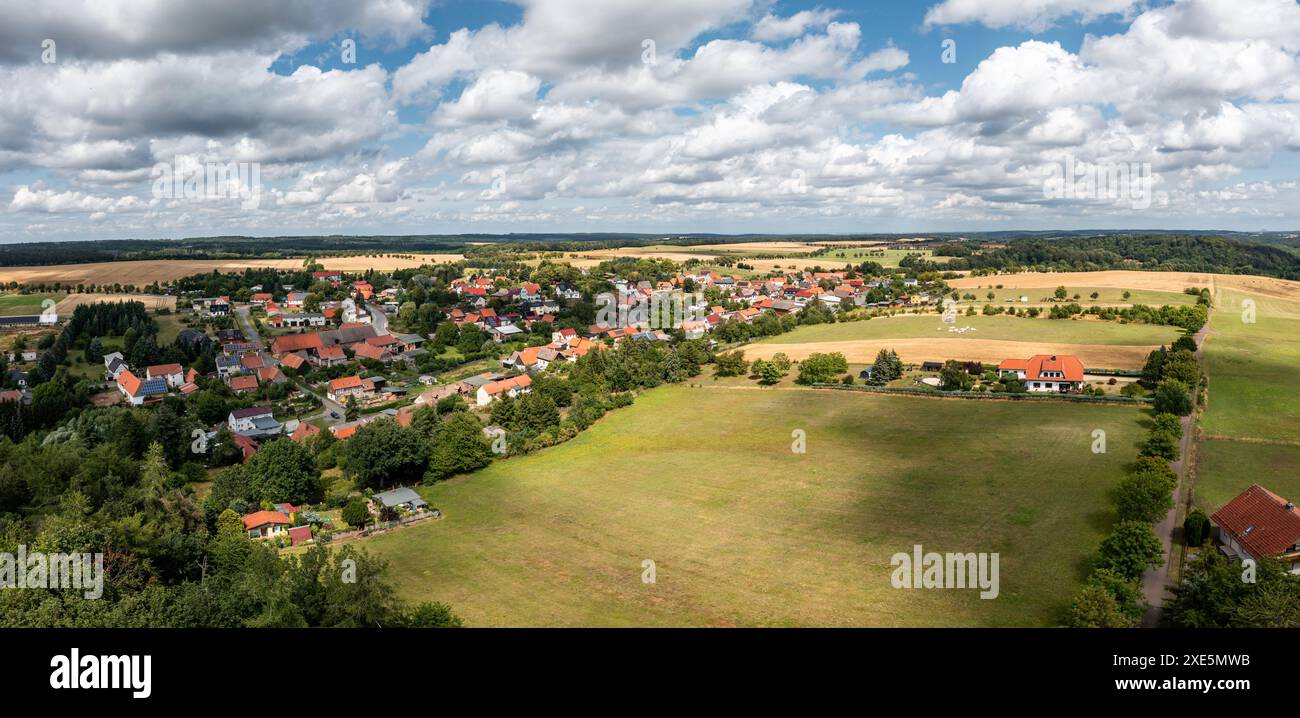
x,y
996,396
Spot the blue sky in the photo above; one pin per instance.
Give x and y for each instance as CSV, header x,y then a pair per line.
x,y
549,115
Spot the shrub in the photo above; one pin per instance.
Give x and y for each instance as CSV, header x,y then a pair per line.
x,y
1196,528
356,514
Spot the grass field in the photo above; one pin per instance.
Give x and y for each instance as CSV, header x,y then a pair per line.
x,y
15,304
1255,387
744,532
1251,426
1226,468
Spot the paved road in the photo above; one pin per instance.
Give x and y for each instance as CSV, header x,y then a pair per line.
x,y
378,319
329,405
1156,581
246,323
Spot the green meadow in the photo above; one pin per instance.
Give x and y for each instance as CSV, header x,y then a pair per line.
x,y
1251,425
744,531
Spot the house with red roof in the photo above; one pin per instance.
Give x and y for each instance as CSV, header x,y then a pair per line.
x,y
512,387
1258,524
138,391
242,383
340,389
173,374
266,524
1045,372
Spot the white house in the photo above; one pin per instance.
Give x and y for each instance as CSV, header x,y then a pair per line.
x,y
253,421
1044,372
512,387
173,374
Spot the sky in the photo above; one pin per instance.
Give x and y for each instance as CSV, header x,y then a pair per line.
x,y
143,119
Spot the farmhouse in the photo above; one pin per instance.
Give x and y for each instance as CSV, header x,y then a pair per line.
x,y
1259,524
340,389
1044,372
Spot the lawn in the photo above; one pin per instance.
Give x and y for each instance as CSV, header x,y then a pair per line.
x,y
169,326
1254,385
1251,424
17,304
745,532
1226,468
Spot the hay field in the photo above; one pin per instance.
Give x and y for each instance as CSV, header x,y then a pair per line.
x,y
144,272
151,302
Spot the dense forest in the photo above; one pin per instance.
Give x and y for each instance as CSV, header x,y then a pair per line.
x,y
1274,254
1168,253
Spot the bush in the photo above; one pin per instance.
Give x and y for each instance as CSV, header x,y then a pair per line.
x,y
1196,528
356,514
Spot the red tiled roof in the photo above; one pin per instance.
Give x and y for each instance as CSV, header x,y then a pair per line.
x,y
1070,366
1261,521
162,370
368,351
347,382
522,381
304,431
332,352
129,382
262,518
1014,364
293,361
295,342
243,383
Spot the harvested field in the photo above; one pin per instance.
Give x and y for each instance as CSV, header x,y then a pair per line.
x,y
984,350
165,270
1123,279
151,301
